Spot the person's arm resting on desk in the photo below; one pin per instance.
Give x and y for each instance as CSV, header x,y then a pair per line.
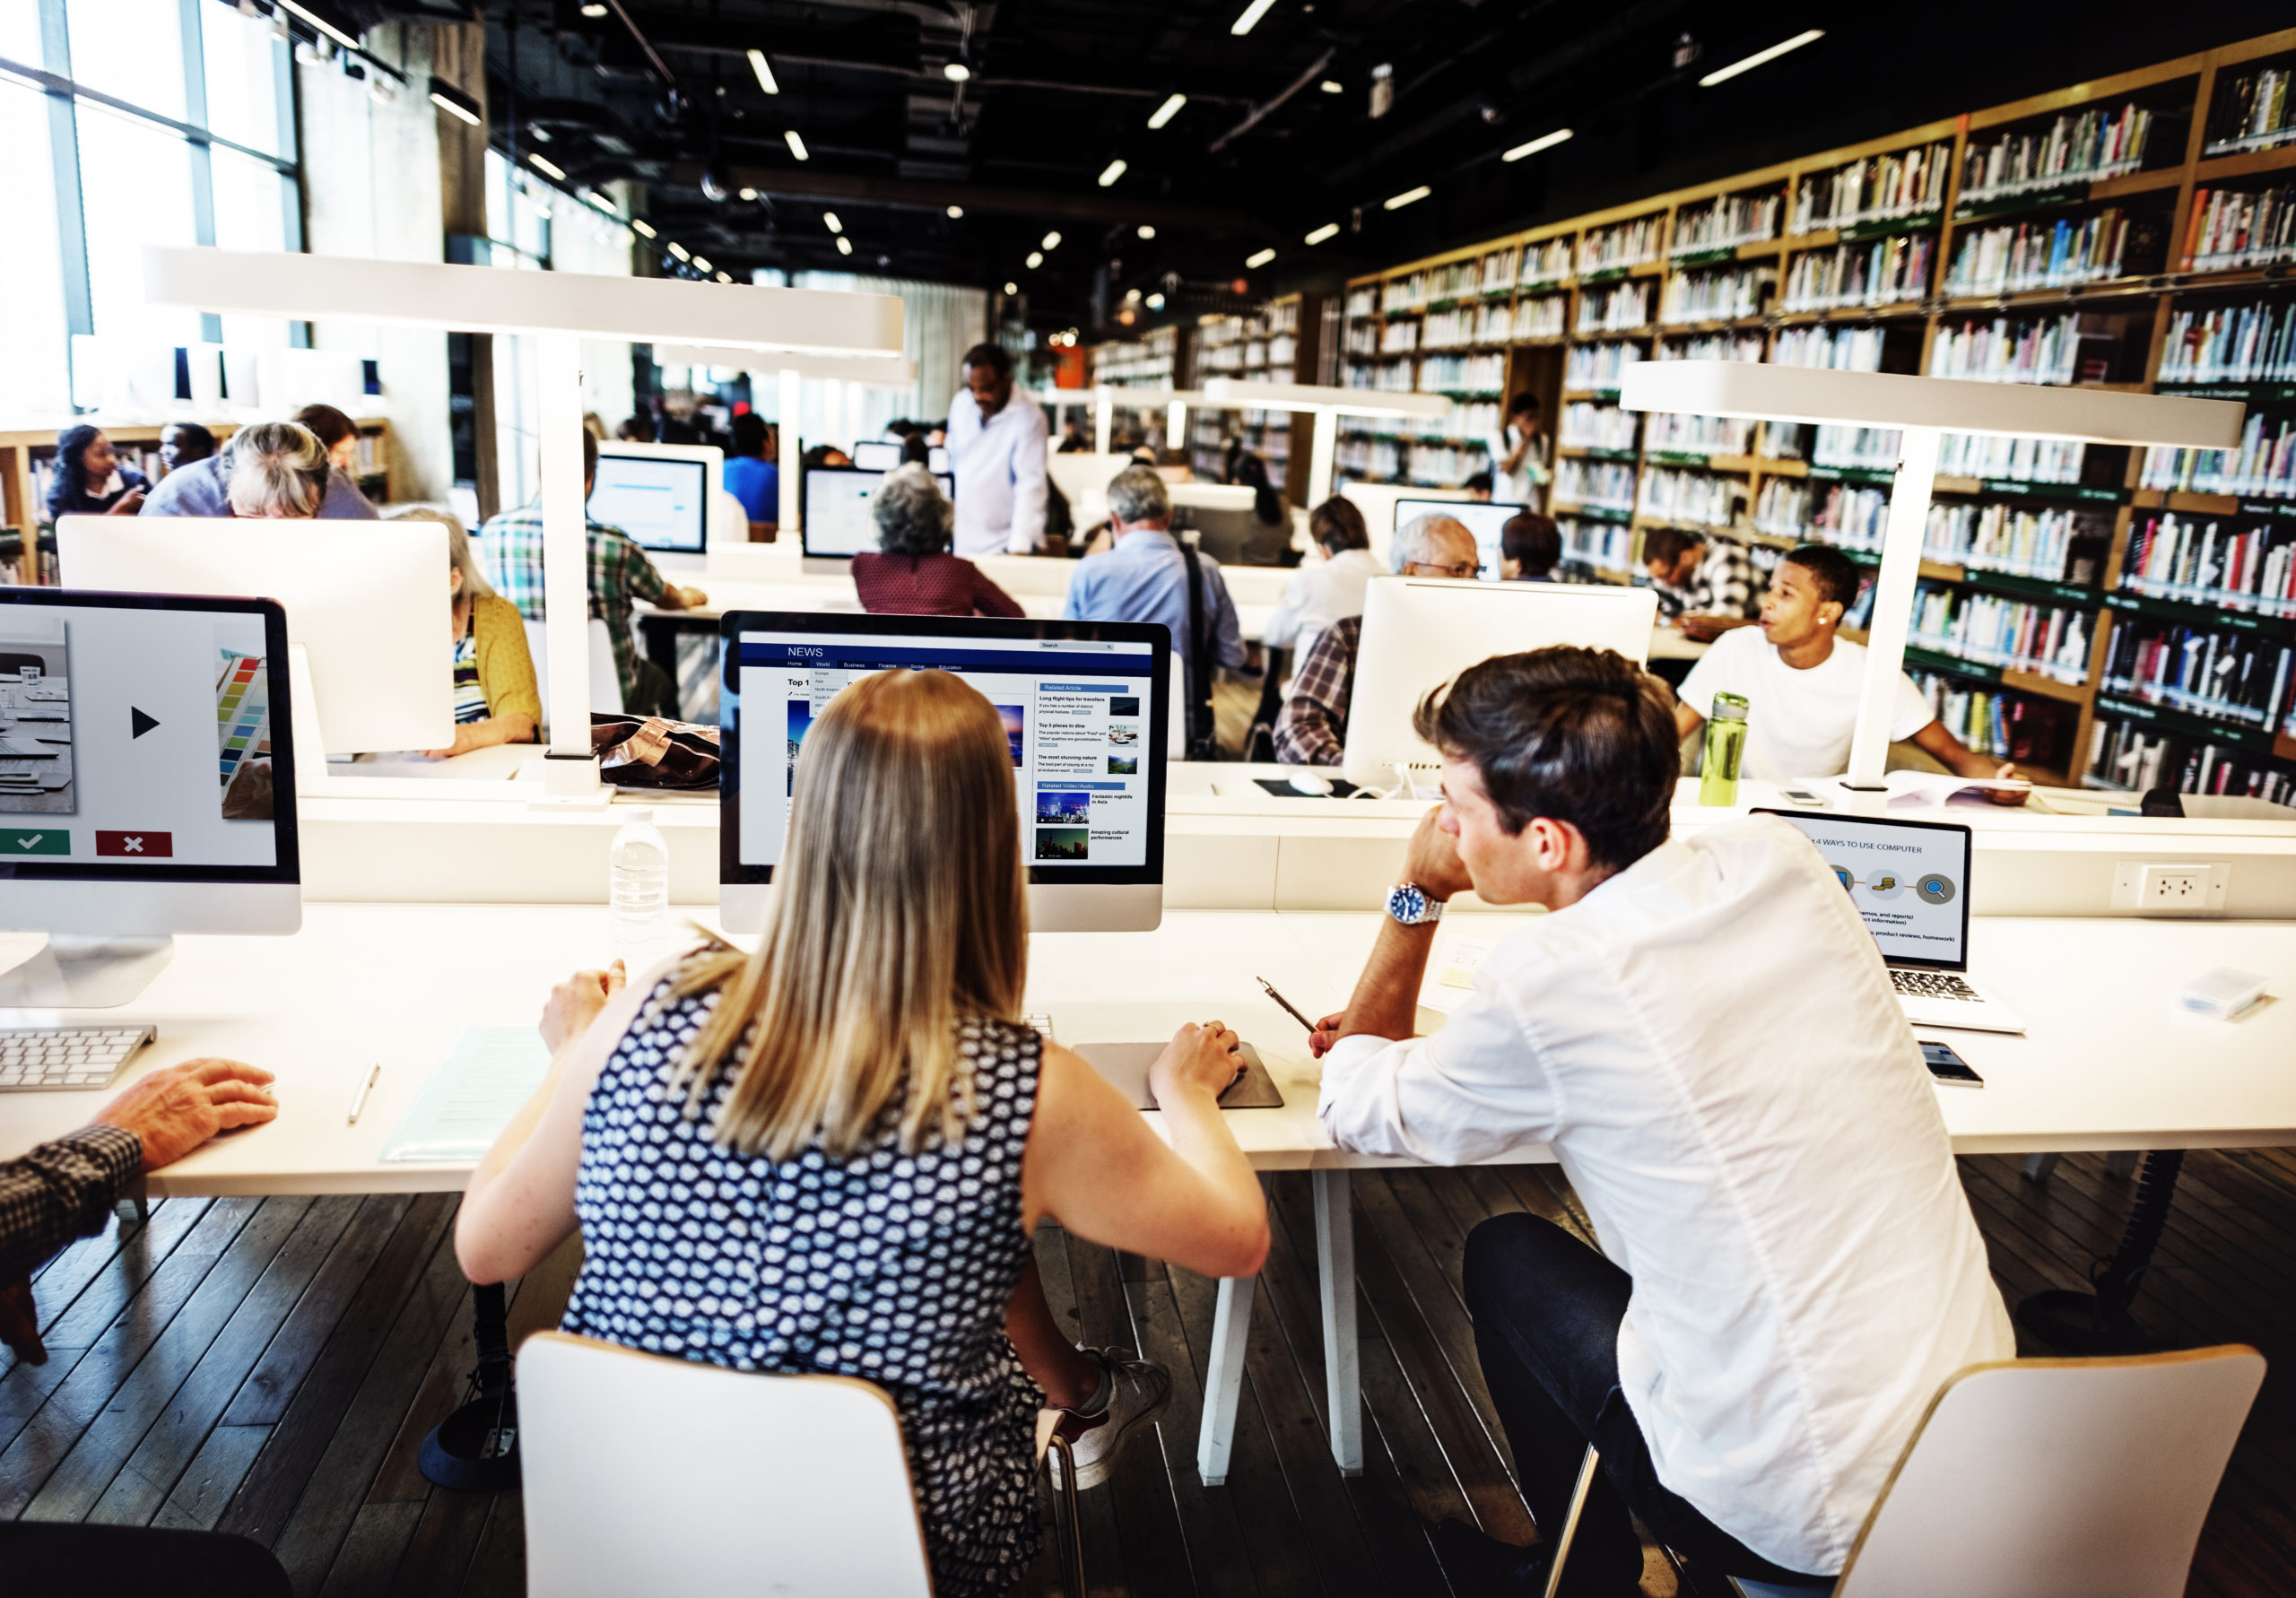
x,y
1960,759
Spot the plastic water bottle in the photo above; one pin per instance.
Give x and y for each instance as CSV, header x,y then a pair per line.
x,y
638,880
1726,749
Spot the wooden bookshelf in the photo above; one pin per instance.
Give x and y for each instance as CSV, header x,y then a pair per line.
x,y
2111,331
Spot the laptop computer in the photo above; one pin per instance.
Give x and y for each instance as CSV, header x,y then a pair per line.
x,y
1910,882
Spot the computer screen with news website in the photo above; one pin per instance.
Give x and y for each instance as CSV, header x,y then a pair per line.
x,y
1079,715
1485,519
143,736
663,504
840,519
1909,881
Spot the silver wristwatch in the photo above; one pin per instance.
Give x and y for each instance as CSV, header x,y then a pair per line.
x,y
1408,903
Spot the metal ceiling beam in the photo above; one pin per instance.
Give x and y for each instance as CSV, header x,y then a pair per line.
x,y
909,194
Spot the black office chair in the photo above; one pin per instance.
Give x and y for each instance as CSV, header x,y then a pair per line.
x,y
13,664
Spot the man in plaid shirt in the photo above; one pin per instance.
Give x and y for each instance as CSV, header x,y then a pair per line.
x,y
1706,586
620,575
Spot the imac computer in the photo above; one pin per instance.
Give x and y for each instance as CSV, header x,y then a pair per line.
x,y
839,522
367,608
146,783
663,495
1420,632
1085,705
876,456
1486,520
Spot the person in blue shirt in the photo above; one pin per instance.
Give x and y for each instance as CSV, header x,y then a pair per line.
x,y
1145,578
750,476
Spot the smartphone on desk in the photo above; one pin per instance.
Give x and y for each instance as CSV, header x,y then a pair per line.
x,y
1949,1068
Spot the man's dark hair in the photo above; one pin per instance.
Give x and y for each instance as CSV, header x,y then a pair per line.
x,y
749,434
996,358
1522,402
1578,735
1532,541
589,455
1835,573
1338,524
1664,545
1480,483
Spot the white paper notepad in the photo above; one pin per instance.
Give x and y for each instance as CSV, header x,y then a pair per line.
x,y
478,1087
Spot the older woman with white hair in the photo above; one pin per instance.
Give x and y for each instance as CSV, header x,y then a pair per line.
x,y
496,700
278,469
912,572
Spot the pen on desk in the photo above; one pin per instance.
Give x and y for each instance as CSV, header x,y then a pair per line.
x,y
365,1087
1280,999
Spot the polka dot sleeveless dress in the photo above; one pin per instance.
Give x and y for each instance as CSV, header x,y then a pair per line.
x,y
891,1267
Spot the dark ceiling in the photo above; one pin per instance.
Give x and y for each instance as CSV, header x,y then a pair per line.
x,y
1278,135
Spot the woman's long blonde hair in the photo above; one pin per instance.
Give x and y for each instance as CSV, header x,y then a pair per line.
x,y
900,909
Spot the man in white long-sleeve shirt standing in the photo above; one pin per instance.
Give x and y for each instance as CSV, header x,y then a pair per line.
x,y
1704,1032
997,448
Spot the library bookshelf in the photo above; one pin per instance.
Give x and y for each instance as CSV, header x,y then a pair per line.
x,y
28,456
2112,617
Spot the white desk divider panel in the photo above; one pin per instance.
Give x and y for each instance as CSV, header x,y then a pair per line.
x,y
1326,404
1923,410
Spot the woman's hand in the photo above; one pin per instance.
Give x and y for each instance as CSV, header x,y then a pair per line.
x,y
127,504
1198,1060
466,738
575,1002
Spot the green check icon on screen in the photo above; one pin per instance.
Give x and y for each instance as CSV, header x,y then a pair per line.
x,y
52,841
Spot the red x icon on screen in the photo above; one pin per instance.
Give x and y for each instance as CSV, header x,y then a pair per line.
x,y
147,846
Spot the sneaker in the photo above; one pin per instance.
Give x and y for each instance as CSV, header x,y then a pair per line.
x,y
1139,1391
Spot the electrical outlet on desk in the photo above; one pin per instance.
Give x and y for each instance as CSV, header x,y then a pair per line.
x,y
2179,889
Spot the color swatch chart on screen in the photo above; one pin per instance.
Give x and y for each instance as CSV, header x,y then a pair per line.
x,y
242,711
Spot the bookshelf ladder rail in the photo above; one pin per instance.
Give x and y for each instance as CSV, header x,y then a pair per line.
x,y
1892,614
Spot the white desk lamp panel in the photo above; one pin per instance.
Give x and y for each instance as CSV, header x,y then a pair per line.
x,y
1228,393
872,371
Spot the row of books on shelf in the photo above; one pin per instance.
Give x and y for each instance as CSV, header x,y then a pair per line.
x,y
1599,366
1466,419
1443,466
1890,270
2263,467
1716,294
2074,147
1874,188
2046,350
1741,346
2023,635
2039,255
1605,546
2008,726
2230,230
2200,561
1838,349
1617,308
2047,542
1726,221
2140,756
1586,425
1689,498
1678,433
1623,244
1462,374
2231,344
1840,514
1601,485
2233,675
2250,112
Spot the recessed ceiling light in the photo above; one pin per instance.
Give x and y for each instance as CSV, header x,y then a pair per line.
x,y
1761,57
541,133
642,226
679,251
1250,19
1260,257
724,277
956,213
547,168
749,194
593,10
1035,260
796,145
1328,230
1145,231
829,221
1156,302
1052,240
1544,142
844,245
701,265
1011,290
765,78
1168,110
1112,171
1408,196
956,72
1333,86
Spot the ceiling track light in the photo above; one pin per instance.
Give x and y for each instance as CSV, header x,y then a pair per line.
x,y
1011,290
956,213
1250,19
1171,108
829,221
1052,240
1409,197
546,166
642,227
1145,230
1328,230
1761,57
959,70
1544,142
679,251
701,265
844,245
1260,258
1333,86
765,78
593,10
452,100
796,145
1111,172
1035,260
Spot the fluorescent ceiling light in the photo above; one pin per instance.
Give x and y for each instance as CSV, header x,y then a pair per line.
x,y
455,102
1145,231
765,79
547,168
593,10
1408,196
1544,142
1333,86
644,228
1052,240
956,213
1156,302
1012,288
701,265
1250,19
749,194
956,72
724,277
844,245
1112,171
1759,57
321,23
679,251
1035,260
1328,230
829,221
1168,110
1260,257
796,145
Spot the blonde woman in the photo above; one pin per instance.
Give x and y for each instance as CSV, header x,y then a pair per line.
x,y
496,700
277,469
829,1156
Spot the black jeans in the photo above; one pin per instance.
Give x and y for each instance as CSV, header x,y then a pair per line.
x,y
1546,1312
68,1560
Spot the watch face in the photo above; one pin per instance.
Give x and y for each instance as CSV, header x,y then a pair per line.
x,y
1406,903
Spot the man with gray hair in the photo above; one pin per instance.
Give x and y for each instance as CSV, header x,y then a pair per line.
x,y
1151,576
1312,728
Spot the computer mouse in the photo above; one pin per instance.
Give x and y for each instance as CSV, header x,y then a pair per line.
x,y
1312,785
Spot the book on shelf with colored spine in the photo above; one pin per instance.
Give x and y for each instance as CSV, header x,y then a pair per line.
x,y
2204,562
2074,147
2016,257
2139,755
1726,221
2252,110
2264,466
1874,188
2223,674
2231,344
2008,634
1742,344
1891,270
2232,229
2018,539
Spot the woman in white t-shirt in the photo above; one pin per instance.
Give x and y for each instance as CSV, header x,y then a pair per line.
x,y
1327,589
1804,683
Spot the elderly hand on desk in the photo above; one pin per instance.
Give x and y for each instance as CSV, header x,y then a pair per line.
x,y
174,1111
575,1002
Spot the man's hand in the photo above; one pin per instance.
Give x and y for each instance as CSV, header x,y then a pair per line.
x,y
2008,773
1431,859
575,1002
465,740
1198,1060
1326,1034
690,599
1702,629
176,1110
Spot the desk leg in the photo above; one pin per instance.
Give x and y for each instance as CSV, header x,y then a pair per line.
x,y
1223,1377
1335,1270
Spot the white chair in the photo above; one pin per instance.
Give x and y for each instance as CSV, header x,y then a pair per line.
x,y
647,1474
2045,1478
605,682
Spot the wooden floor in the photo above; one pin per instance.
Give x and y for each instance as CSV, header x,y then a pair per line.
x,y
268,1366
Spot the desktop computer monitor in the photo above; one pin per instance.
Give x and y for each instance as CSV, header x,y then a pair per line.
x,y
146,783
936,458
1485,520
663,495
876,456
838,523
1085,705
366,603
1420,632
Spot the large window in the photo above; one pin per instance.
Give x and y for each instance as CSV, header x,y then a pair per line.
x,y
184,137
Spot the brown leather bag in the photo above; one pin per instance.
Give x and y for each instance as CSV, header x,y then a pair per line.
x,y
649,751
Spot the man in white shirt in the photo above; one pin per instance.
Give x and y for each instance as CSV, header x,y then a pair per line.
x,y
1704,1032
1802,684
1520,453
1329,584
996,448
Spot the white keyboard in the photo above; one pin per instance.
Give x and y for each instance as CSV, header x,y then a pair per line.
x,y
69,1059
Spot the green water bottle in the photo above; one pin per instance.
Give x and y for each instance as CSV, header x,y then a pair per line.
x,y
1726,751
